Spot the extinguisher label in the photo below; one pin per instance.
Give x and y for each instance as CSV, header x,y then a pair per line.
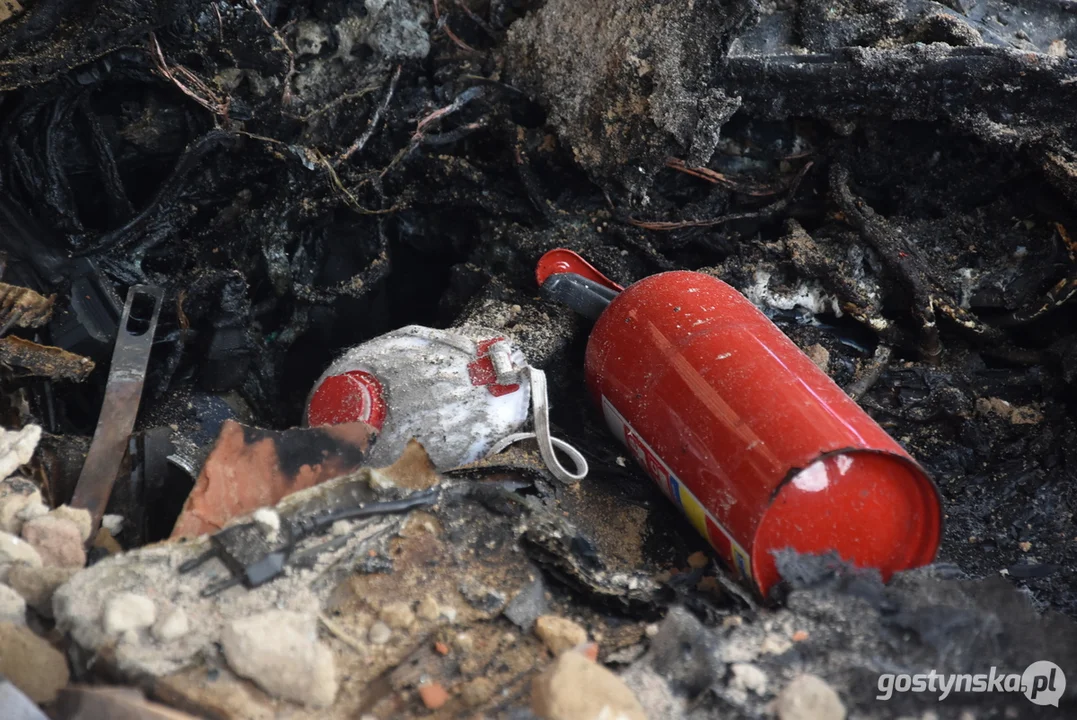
x,y
740,559
700,517
643,453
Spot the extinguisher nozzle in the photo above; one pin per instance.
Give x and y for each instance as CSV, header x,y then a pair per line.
x,y
586,297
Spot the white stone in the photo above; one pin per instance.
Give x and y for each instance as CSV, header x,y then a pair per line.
x,y
379,633
16,550
775,644
172,625
57,541
17,447
574,688
16,494
809,697
279,650
268,519
749,677
79,516
128,611
113,523
31,511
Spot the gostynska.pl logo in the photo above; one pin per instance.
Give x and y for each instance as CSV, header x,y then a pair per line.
x,y
1042,683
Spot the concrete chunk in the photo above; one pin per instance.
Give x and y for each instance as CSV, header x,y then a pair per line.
x,y
280,651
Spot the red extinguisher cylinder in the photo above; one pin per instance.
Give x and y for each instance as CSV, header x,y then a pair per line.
x,y
759,448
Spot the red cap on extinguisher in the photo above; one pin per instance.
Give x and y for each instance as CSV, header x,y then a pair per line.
x,y
348,397
757,446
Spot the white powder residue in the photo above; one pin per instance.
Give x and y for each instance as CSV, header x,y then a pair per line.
x,y
809,295
844,463
812,478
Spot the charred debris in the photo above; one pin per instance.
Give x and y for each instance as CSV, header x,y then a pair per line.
x,y
893,182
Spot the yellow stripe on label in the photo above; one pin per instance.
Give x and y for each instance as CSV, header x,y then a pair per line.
x,y
693,509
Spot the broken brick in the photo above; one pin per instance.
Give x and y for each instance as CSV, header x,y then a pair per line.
x,y
250,468
433,695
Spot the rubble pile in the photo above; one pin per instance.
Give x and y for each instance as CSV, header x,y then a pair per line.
x,y
293,422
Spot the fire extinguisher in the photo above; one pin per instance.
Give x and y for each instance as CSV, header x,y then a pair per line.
x,y
759,448
462,392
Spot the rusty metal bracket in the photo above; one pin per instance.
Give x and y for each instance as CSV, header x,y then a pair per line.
x,y
123,393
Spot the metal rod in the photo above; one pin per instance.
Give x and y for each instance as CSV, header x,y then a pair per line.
x,y
123,392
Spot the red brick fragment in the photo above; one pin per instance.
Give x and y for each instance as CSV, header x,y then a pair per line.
x,y
250,468
433,695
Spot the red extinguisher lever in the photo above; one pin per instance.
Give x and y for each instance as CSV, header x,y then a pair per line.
x,y
565,277
563,261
